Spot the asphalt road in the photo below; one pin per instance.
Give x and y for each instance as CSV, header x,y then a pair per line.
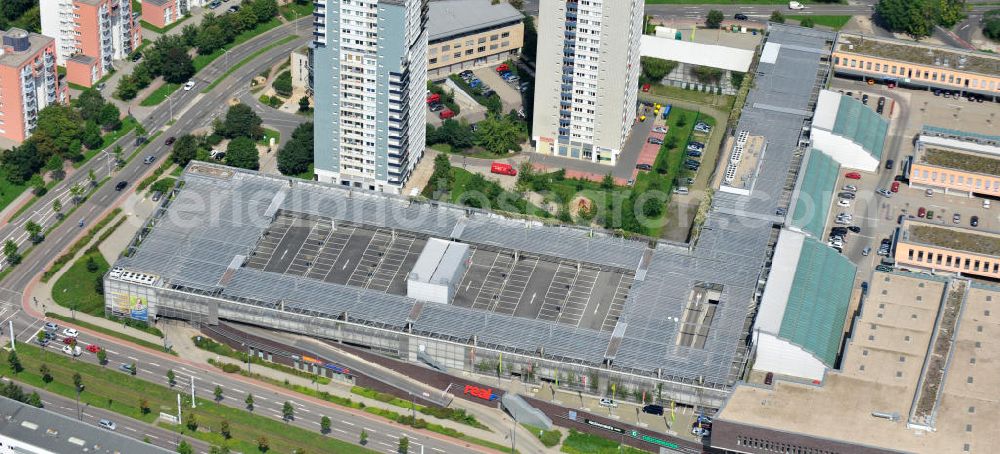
x,y
129,427
153,365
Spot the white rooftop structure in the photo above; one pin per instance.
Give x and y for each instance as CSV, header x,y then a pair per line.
x,y
715,56
438,269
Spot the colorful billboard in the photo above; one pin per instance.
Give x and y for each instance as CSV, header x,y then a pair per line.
x,y
134,307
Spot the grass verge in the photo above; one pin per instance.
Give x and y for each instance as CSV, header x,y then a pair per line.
x,y
160,94
834,22
109,332
244,61
113,390
582,443
77,288
62,260
451,414
163,30
10,191
549,438
202,61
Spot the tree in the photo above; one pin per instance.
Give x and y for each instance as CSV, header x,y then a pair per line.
x,y
91,137
404,445
991,24
41,337
91,265
177,66
218,393
77,192
21,162
441,178
46,373
706,74
10,251
249,401
304,104
296,156
262,444
287,411
777,17
283,84
608,182
34,400
242,153
77,382
58,126
224,429
102,356
210,39
134,369
57,208
191,422
807,22
655,69
89,103
110,117
364,437
241,121
714,19
918,17
144,406
324,424
456,134
127,87
34,231
171,378
184,448
499,135
185,149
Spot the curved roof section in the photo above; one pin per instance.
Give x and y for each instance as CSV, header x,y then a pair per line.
x,y
814,192
818,301
861,125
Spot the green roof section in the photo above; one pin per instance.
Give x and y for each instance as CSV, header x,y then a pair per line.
x,y
818,301
862,125
815,192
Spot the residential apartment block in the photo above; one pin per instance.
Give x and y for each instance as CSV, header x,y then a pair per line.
x,y
370,73
587,77
466,34
160,13
28,81
97,31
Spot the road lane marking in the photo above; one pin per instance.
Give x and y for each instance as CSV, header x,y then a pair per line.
x,y
348,423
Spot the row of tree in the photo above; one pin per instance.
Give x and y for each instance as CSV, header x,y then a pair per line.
x,y
498,134
169,56
918,18
991,24
296,156
61,134
23,14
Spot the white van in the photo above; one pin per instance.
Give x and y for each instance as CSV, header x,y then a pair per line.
x,y
986,203
681,190
795,5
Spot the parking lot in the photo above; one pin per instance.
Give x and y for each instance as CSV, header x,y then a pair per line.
x,y
509,93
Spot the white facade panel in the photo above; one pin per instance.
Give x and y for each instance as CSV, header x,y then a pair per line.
x,y
846,152
781,357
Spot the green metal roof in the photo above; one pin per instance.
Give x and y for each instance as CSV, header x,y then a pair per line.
x,y
815,193
818,301
862,125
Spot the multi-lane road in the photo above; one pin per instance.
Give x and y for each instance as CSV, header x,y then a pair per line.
x,y
190,110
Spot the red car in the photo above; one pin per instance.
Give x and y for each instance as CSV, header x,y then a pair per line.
x,y
446,114
69,340
93,348
853,175
433,97
921,212
645,88
503,68
894,187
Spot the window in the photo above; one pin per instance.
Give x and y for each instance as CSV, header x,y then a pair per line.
x,y
505,34
481,49
445,48
458,55
482,40
494,37
433,61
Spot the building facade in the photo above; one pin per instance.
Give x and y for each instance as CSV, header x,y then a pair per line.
x,y
301,67
370,61
948,249
467,34
917,65
28,81
160,13
104,30
586,82
955,161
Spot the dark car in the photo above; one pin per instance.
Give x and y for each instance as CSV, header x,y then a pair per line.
x,y
864,99
741,16
137,56
644,167
974,221
888,164
769,378
653,409
854,229
170,140
121,185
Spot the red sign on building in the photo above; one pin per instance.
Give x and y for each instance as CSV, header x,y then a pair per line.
x,y
482,393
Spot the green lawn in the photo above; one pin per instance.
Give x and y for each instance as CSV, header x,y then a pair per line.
x,y
163,30
295,10
252,56
834,22
9,191
268,134
75,289
108,388
160,94
202,61
581,443
724,102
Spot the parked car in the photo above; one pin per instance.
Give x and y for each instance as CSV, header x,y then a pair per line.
x,y
956,218
854,229
655,141
881,105
71,350
864,99
646,167
888,164
653,409
884,192
930,214
867,250
214,4
986,204
50,327
703,128
608,402
843,203
846,195
660,129
70,332
503,67
695,154
741,16
853,175
894,187
850,187
233,9
696,145
645,88
921,212
93,348
974,221
446,114
156,196
436,106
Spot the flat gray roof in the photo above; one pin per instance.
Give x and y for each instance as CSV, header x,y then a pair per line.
x,y
57,433
36,44
456,17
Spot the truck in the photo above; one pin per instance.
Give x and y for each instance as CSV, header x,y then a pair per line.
x,y
503,169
